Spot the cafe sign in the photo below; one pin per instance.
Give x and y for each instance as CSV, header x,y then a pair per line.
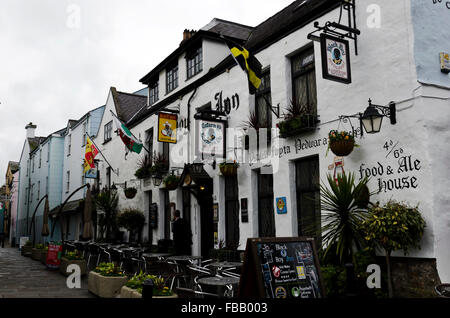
x,y
167,127
211,137
335,59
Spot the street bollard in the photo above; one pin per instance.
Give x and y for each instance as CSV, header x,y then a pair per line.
x,y
147,289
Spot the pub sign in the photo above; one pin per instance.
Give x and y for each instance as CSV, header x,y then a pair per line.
x,y
335,59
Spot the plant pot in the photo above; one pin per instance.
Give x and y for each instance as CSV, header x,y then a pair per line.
x,y
104,286
130,194
66,262
26,251
172,185
36,254
127,292
44,257
228,170
342,148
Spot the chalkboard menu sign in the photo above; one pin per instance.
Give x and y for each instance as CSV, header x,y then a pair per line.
x,y
281,268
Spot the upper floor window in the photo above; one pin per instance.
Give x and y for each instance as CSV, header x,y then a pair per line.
x,y
264,102
38,190
153,93
304,80
32,164
69,144
108,131
171,78
40,157
83,141
68,181
194,62
48,151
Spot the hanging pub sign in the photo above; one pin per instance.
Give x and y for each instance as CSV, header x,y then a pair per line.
x,y
211,137
91,173
335,59
167,127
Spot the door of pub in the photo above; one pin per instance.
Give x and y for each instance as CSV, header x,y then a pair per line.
x,y
205,200
266,216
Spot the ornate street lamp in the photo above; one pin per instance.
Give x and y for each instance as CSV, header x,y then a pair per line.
x,y
372,119
197,167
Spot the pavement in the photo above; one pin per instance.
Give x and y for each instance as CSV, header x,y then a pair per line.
x,y
23,277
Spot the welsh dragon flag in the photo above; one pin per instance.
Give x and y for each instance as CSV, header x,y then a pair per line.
x,y
127,137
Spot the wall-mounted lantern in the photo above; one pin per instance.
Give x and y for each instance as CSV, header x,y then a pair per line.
x,y
372,118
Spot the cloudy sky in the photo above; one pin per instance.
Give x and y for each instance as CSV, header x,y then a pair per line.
x,y
58,58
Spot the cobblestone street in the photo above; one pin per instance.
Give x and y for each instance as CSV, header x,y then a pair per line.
x,y
23,277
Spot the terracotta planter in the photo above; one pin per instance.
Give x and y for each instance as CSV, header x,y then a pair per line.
x,y
342,148
36,254
26,251
228,170
105,287
66,262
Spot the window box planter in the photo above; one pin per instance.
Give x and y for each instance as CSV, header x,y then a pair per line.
x,y
130,193
297,125
229,169
65,262
105,286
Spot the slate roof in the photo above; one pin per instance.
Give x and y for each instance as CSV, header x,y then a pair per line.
x,y
288,20
14,166
228,28
35,142
127,105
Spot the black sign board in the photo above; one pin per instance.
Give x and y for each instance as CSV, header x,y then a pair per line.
x,y
281,268
335,59
153,217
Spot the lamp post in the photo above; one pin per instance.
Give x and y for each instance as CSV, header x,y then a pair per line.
x,y
372,118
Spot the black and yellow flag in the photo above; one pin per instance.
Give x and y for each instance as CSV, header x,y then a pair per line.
x,y
248,63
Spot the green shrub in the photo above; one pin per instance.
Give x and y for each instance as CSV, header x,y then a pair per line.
x,y
109,269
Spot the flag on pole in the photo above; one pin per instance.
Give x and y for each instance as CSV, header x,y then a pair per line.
x,y
248,63
91,152
127,137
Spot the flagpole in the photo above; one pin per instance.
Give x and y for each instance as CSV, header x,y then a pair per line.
x,y
143,146
102,155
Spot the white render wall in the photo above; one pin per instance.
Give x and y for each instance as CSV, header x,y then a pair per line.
x,y
384,71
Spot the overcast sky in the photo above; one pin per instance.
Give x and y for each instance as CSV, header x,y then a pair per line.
x,y
58,58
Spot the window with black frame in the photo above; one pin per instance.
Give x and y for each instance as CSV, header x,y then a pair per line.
x,y
108,131
153,93
194,62
171,78
263,104
304,80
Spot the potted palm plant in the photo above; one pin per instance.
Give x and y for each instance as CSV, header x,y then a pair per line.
x,y
299,118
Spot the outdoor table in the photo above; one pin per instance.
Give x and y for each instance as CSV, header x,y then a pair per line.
x,y
219,266
182,261
156,255
220,284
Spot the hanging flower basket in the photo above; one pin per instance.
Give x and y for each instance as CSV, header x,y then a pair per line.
x,y
130,193
341,143
229,169
171,182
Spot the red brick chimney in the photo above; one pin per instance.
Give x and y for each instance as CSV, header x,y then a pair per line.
x,y
187,34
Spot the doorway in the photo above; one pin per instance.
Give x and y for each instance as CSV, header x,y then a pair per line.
x,y
205,200
266,215
232,212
